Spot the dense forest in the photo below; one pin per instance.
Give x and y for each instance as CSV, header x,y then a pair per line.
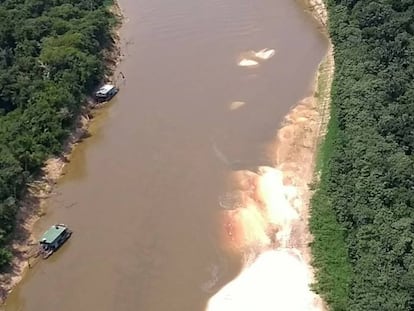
x,y
51,56
363,212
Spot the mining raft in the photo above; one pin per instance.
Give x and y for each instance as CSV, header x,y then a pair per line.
x,y
105,93
53,238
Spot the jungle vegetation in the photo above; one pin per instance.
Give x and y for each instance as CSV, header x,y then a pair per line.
x,y
51,56
363,212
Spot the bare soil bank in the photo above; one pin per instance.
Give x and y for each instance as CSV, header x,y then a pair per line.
x,y
299,139
318,10
23,245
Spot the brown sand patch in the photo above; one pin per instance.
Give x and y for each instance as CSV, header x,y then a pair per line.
x,y
298,140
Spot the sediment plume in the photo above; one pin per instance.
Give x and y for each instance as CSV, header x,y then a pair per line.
x,y
265,219
262,228
248,63
268,222
276,281
253,58
265,53
236,105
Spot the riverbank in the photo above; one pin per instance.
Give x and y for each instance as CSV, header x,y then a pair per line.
x,y
327,250
271,229
299,143
23,245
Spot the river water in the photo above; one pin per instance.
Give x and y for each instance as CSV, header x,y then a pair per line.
x,y
142,193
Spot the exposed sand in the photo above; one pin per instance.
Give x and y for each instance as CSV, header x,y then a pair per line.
x,y
318,10
23,244
298,141
278,275
303,130
266,217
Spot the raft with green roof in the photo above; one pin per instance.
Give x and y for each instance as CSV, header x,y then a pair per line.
x,y
53,238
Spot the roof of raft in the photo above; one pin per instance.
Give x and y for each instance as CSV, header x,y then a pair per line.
x,y
106,88
52,234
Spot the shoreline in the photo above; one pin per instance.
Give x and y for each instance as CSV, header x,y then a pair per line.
x,y
299,141
23,241
294,151
322,97
319,11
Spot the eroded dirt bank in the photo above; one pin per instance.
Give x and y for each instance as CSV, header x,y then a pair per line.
x,y
24,243
270,222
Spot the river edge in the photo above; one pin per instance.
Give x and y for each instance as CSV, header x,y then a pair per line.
x,y
23,241
299,141
324,78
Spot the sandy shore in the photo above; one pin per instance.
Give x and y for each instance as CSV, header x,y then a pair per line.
x,y
299,138
24,244
318,10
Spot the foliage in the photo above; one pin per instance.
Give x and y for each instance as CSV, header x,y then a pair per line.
x,y
51,55
328,247
363,214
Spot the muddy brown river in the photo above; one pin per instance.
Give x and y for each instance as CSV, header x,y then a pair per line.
x,y
142,193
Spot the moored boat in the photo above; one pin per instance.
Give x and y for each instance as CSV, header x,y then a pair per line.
x,y
106,92
53,238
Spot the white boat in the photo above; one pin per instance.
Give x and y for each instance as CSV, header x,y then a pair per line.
x,y
106,92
